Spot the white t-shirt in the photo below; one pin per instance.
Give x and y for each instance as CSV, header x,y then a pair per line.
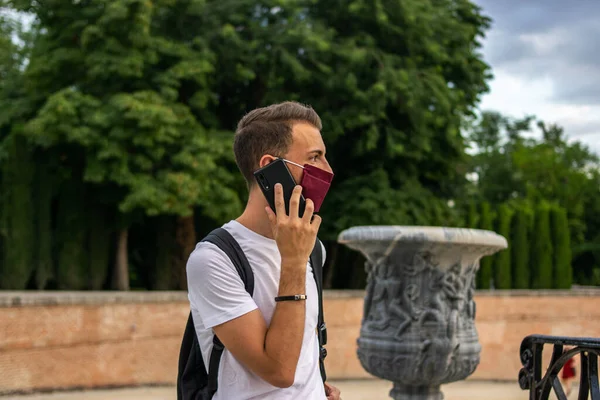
x,y
217,295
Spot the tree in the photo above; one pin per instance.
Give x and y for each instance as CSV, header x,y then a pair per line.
x,y
520,248
542,249
125,118
502,260
562,276
485,274
497,179
17,168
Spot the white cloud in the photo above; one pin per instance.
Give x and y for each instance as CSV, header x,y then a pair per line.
x,y
517,97
545,68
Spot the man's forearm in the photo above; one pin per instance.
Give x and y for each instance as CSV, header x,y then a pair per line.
x,y
283,341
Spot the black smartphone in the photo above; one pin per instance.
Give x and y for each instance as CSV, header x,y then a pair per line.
x,y
273,173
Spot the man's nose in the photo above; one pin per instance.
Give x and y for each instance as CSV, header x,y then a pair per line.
x,y
328,167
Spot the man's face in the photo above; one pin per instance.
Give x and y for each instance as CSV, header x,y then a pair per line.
x,y
307,148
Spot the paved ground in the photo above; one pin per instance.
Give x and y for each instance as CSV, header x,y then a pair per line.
x,y
351,390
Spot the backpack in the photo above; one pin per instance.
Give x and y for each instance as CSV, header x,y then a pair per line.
x,y
193,381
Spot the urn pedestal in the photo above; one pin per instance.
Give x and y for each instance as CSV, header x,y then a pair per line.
x,y
418,327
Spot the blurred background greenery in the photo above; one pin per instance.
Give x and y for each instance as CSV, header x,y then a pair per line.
x,y
117,118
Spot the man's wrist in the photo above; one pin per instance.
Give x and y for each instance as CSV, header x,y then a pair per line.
x,y
293,261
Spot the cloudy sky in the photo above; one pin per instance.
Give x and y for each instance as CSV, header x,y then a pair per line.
x,y
545,56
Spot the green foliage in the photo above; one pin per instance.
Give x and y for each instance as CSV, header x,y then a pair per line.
x,y
562,276
485,273
392,99
125,104
512,165
542,252
502,260
520,248
413,205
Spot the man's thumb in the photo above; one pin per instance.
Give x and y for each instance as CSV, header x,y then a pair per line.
x,y
271,215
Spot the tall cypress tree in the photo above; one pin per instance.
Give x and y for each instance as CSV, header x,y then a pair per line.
x,y
542,249
18,225
562,276
502,260
519,249
71,227
484,276
44,268
472,217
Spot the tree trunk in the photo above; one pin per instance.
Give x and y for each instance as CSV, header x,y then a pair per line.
x,y
121,272
72,234
185,236
43,205
165,254
99,246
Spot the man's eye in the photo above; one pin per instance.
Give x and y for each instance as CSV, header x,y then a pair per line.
x,y
314,158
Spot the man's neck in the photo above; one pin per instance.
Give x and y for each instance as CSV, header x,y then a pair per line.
x,y
255,217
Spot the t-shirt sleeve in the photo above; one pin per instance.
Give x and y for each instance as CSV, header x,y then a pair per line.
x,y
215,289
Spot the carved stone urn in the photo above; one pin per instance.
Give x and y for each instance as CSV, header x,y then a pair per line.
x,y
418,326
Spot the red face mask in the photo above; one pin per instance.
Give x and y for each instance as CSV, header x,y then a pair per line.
x,y
315,183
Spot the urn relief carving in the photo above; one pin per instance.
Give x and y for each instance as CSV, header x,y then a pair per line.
x,y
418,328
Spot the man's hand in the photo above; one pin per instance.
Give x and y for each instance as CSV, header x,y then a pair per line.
x,y
332,392
295,236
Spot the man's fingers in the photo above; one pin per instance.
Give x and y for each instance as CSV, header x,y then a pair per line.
x,y
279,202
308,211
295,201
332,392
316,221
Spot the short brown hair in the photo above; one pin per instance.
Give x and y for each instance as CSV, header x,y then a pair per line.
x,y
268,130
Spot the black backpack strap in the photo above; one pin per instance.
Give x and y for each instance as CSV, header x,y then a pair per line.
x,y
316,261
187,363
228,245
224,241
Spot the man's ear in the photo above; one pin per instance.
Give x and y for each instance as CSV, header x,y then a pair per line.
x,y
266,160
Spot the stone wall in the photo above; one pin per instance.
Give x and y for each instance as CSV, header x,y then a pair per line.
x,y
91,339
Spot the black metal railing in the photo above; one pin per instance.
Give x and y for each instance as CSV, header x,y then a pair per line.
x,y
540,386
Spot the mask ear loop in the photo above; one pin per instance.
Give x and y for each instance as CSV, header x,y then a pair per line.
x,y
293,163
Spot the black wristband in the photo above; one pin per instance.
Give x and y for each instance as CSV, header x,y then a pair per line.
x,y
295,297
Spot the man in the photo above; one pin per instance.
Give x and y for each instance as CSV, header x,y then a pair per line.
x,y
271,348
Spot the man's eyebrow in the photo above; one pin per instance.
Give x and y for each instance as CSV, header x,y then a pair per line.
x,y
316,151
